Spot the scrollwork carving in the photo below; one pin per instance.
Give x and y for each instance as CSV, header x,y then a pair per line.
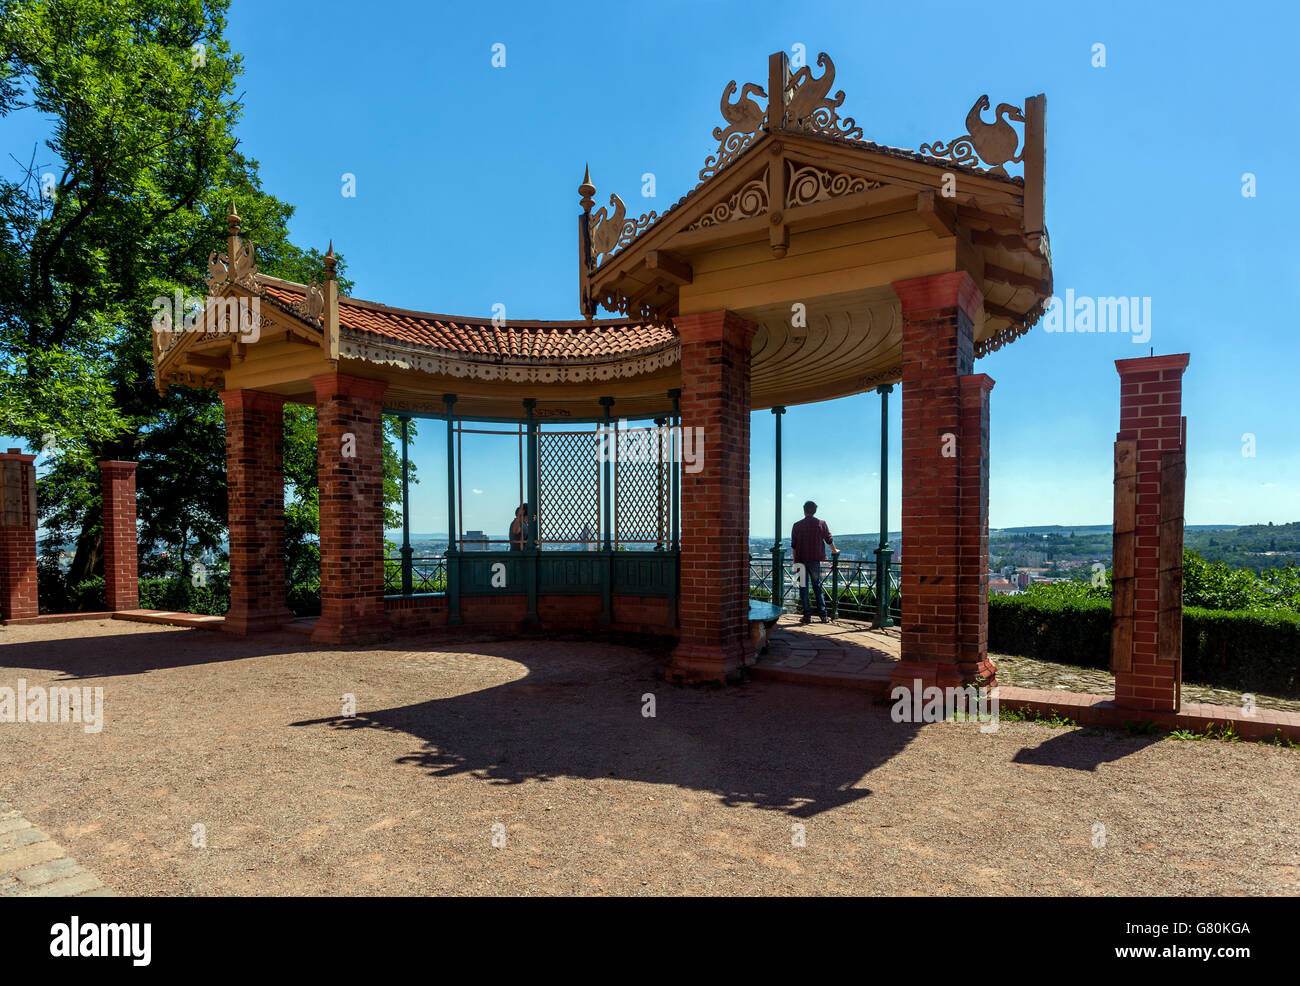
x,y
808,184
810,108
993,143
744,118
749,200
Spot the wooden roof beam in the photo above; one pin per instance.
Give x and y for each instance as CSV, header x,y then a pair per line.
x,y
1039,285
937,214
669,266
1000,311
1011,241
995,221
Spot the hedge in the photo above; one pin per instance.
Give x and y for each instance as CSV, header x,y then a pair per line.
x,y
1248,650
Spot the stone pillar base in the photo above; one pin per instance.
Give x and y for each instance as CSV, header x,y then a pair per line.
x,y
698,664
360,631
257,622
942,675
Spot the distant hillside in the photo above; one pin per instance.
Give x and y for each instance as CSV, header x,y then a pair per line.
x,y
1065,550
1256,546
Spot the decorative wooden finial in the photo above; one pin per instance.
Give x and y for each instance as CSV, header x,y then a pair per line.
x,y
330,262
587,190
232,220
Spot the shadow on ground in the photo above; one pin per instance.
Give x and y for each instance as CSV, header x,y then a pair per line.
x,y
1078,749
578,713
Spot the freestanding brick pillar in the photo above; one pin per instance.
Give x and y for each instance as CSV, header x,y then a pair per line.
x,y
714,605
17,536
255,493
945,486
350,470
1147,585
121,568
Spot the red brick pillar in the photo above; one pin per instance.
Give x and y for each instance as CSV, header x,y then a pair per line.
x,y
714,606
973,533
350,470
17,536
945,485
121,569
1151,402
255,508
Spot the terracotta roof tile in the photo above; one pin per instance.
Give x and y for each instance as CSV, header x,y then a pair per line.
x,y
528,340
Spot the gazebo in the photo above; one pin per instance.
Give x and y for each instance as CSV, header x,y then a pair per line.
x,y
808,263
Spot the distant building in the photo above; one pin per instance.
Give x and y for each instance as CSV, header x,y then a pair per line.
x,y
474,541
1002,587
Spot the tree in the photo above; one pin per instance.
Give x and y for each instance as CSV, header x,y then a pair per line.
x,y
120,206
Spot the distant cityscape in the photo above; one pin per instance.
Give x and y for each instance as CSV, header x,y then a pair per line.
x,y
1018,557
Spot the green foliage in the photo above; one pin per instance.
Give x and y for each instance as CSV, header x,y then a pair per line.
x,y
1051,717
1248,650
1217,585
142,162
1065,625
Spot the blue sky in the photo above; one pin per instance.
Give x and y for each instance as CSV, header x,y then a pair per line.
x,y
466,180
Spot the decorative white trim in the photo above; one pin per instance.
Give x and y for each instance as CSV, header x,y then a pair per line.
x,y
531,373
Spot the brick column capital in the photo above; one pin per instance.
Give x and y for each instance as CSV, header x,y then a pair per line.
x,y
1153,364
716,326
329,385
117,467
13,455
251,400
974,385
935,292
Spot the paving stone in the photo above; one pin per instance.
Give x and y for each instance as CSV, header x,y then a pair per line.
x,y
21,837
37,852
98,892
45,872
66,887
16,822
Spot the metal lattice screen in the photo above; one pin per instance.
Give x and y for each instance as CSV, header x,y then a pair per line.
x,y
568,472
641,491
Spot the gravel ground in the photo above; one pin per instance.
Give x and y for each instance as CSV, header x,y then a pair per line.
x,y
546,739
1026,672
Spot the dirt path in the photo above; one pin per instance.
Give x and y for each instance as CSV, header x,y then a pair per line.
x,y
247,738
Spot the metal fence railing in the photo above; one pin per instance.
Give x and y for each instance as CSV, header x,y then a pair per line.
x,y
849,586
428,574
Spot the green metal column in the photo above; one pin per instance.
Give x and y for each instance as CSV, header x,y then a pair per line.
x,y
406,511
675,479
607,583
883,552
661,532
453,550
531,558
675,506
778,556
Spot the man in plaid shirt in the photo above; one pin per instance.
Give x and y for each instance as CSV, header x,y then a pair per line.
x,y
808,540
